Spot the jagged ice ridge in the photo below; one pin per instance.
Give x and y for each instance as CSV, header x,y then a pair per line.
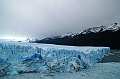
x,y
18,57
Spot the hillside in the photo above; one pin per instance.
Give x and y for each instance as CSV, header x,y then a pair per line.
x,y
96,36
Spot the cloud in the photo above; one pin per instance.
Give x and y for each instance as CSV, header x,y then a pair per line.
x,y
41,18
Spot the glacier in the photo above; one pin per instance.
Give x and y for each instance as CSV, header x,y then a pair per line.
x,y
21,57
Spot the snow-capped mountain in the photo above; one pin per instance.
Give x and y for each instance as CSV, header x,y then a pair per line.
x,y
113,27
96,36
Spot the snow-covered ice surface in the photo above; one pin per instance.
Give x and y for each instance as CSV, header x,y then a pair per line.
x,y
17,58
98,71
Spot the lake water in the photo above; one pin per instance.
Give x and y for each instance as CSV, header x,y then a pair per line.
x,y
113,56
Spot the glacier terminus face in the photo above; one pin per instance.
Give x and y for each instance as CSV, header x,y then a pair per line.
x,y
18,57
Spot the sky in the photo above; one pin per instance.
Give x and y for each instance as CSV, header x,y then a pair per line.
x,y
44,18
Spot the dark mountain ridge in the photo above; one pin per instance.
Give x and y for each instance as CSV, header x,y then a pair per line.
x,y
96,36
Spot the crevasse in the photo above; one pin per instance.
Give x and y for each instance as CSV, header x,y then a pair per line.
x,y
18,58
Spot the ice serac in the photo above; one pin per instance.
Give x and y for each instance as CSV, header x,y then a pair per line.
x,y
18,58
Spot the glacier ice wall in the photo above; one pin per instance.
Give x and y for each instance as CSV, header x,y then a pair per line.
x,y
18,58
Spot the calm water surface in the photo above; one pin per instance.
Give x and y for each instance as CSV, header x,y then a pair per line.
x,y
113,56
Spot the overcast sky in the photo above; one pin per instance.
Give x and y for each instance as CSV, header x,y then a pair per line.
x,y
42,18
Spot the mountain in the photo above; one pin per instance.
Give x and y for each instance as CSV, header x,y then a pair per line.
x,y
96,36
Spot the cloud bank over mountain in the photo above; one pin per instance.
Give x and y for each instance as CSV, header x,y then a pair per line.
x,y
39,19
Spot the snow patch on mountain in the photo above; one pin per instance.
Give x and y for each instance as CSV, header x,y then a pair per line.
x,y
113,27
